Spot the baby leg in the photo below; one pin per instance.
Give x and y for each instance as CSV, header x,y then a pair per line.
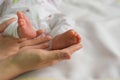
x,y
25,29
66,39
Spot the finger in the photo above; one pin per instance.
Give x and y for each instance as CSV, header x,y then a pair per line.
x,y
22,40
63,54
73,48
59,55
55,55
40,46
50,63
35,41
9,38
46,64
6,23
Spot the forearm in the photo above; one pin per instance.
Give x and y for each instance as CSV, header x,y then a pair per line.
x,y
8,70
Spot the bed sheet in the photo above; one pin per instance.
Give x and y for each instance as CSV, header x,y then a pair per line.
x,y
98,23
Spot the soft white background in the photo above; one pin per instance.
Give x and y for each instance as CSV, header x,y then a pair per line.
x,y
98,22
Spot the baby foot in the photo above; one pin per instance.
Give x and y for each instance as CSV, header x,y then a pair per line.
x,y
65,40
25,29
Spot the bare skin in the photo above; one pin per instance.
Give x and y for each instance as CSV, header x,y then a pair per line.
x,y
9,46
25,29
31,59
59,42
7,41
6,23
65,40
24,55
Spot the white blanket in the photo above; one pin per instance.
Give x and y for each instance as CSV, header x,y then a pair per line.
x,y
99,59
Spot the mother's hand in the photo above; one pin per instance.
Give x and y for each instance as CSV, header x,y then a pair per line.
x,y
30,59
26,55
6,23
10,46
7,44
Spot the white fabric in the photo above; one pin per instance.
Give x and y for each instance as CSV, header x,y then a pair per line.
x,y
9,31
43,14
99,59
1,1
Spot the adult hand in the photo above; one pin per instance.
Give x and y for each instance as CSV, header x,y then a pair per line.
x,y
29,55
6,23
30,59
7,44
10,46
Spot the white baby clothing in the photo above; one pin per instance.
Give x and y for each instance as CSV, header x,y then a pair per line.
x,y
43,14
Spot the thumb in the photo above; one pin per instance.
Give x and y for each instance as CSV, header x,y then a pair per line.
x,y
6,23
73,48
55,55
61,54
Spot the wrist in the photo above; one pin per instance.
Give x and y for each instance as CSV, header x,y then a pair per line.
x,y
8,70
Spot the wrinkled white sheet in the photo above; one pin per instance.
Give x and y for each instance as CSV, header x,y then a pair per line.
x,y
98,22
